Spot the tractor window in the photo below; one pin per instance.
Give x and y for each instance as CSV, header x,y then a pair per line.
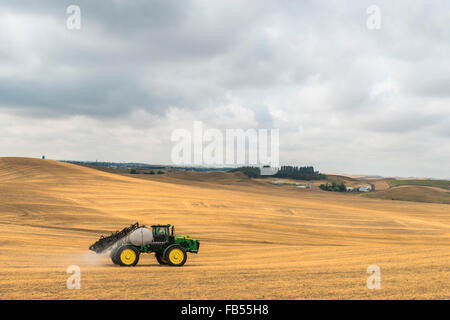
x,y
160,233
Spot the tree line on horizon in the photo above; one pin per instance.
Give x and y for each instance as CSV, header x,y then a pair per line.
x,y
299,173
292,172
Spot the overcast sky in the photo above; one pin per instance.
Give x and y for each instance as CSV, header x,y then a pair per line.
x,y
345,98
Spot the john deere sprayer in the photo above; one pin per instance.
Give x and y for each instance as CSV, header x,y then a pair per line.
x,y
126,245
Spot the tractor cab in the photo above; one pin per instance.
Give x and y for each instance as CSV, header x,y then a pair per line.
x,y
161,232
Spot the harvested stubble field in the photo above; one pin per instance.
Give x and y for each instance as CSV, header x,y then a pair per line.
x,y
257,241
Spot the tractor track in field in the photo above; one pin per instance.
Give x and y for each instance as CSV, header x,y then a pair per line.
x,y
90,231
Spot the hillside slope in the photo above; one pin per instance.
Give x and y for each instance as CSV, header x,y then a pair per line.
x,y
258,241
414,193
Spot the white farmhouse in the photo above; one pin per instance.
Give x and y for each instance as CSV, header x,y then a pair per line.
x,y
364,188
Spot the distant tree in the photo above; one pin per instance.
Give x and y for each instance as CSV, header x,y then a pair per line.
x,y
251,172
334,186
160,172
133,171
324,187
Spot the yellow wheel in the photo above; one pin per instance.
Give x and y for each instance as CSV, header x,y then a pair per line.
x,y
128,256
176,256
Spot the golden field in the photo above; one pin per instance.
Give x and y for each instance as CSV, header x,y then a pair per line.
x,y
258,241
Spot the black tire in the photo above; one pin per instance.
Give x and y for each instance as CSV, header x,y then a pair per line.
x,y
177,258
122,258
160,259
113,255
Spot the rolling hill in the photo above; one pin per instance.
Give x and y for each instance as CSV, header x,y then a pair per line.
x,y
258,241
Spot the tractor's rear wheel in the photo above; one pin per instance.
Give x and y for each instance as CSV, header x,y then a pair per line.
x,y
160,258
176,256
128,256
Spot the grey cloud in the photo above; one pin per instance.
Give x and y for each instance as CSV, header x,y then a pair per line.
x,y
310,68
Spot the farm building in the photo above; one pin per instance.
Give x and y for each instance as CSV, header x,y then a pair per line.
x,y
364,188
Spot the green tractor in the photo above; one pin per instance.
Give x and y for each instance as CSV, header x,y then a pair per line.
x,y
128,244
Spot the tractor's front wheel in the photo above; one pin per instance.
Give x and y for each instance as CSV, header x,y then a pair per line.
x,y
128,256
176,256
160,259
